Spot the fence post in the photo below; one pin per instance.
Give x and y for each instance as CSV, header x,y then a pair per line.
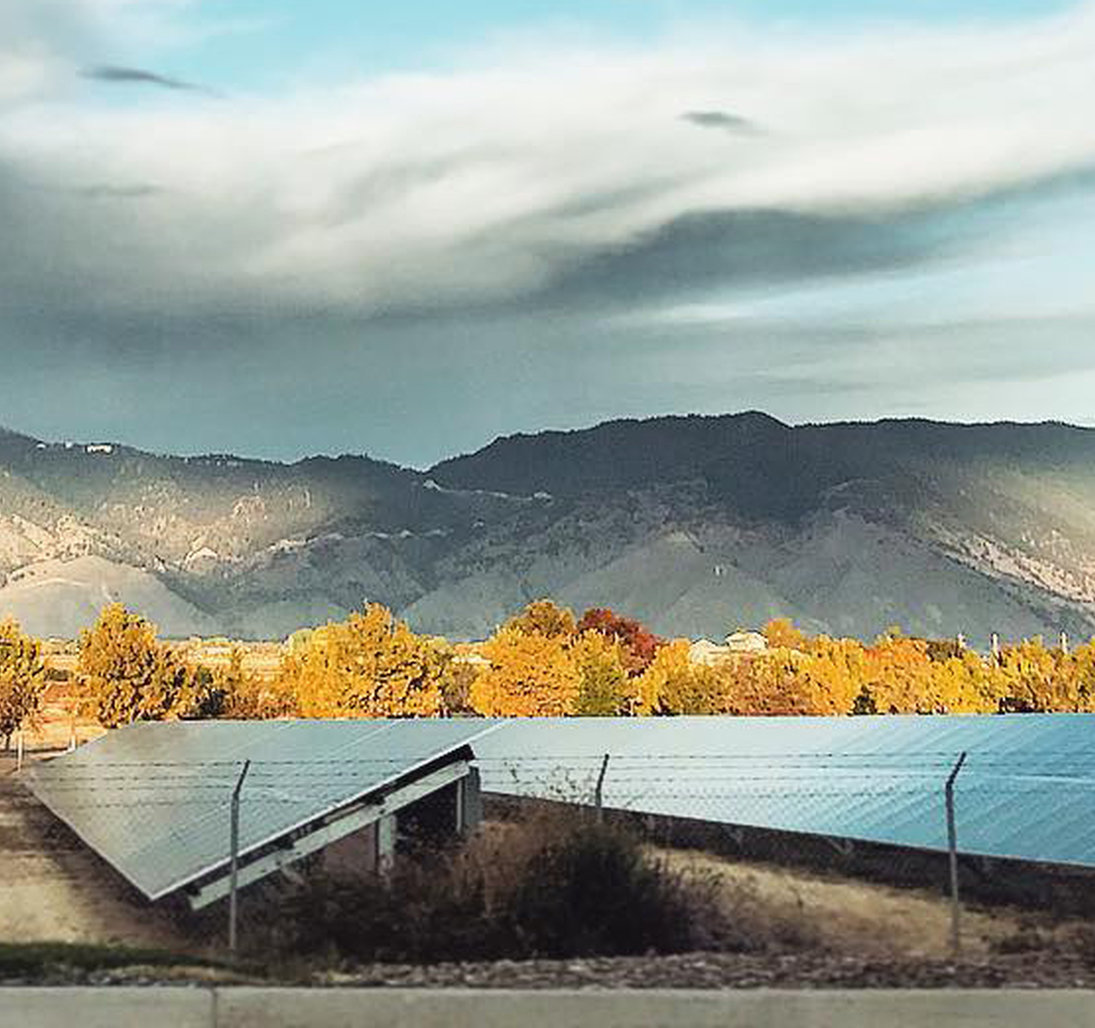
x,y
19,751
952,845
599,791
234,850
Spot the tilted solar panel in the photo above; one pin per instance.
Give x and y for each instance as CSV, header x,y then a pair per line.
x,y
1027,789
153,799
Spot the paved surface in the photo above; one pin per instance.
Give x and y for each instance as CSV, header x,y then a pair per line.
x,y
394,1008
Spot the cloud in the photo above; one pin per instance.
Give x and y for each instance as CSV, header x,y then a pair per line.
x,y
104,191
137,76
721,120
542,178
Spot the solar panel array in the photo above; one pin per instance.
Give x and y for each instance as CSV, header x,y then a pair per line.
x,y
1027,789
153,799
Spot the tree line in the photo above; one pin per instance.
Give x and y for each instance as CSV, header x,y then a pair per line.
x,y
542,662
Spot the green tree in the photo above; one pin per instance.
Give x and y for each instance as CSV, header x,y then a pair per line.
x,y
22,679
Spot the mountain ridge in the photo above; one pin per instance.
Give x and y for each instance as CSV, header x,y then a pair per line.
x,y
997,519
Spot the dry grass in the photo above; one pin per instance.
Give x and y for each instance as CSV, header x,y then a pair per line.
x,y
858,918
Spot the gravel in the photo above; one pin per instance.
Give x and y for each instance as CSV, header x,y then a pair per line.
x,y
733,971
812,970
1051,970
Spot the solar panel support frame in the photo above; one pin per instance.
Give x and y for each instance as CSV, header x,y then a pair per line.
x,y
326,834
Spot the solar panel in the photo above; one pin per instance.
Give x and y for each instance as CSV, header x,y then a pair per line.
x,y
153,799
1027,789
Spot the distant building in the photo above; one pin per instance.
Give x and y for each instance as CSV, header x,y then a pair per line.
x,y
704,651
746,642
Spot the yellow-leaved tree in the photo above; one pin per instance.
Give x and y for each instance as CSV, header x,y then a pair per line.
x,y
22,679
368,666
544,617
126,675
604,689
673,684
529,675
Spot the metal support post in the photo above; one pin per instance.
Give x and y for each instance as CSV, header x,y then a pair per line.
x,y
952,844
387,828
234,850
599,791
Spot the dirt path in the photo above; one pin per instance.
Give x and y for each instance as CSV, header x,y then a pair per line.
x,y
52,889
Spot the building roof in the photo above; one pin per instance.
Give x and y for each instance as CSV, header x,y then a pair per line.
x,y
153,799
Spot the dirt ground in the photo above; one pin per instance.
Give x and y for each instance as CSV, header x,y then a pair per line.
x,y
52,889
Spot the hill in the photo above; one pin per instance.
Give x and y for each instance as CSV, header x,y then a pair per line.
x,y
695,524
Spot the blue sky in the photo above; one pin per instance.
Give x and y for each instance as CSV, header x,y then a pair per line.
x,y
284,228
277,40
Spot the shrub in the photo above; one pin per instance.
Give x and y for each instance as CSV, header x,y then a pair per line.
x,y
555,885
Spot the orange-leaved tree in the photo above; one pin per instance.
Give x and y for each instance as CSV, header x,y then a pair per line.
x,y
638,644
781,633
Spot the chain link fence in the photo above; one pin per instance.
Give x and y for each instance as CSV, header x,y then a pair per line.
x,y
964,829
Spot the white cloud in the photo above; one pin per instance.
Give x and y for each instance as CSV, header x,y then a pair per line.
x,y
488,181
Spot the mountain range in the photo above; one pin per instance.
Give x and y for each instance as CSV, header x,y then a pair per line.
x,y
696,525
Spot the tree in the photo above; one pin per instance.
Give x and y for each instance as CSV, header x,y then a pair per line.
x,y
673,684
639,645
242,696
604,689
530,675
22,679
544,617
368,666
782,634
124,673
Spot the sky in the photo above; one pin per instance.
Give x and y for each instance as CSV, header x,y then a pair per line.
x,y
279,229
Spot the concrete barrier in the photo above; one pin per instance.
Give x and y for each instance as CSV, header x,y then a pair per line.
x,y
448,1008
30,1007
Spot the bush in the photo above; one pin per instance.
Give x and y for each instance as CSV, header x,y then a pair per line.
x,y
556,885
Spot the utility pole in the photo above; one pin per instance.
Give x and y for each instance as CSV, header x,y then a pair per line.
x,y
952,845
234,850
